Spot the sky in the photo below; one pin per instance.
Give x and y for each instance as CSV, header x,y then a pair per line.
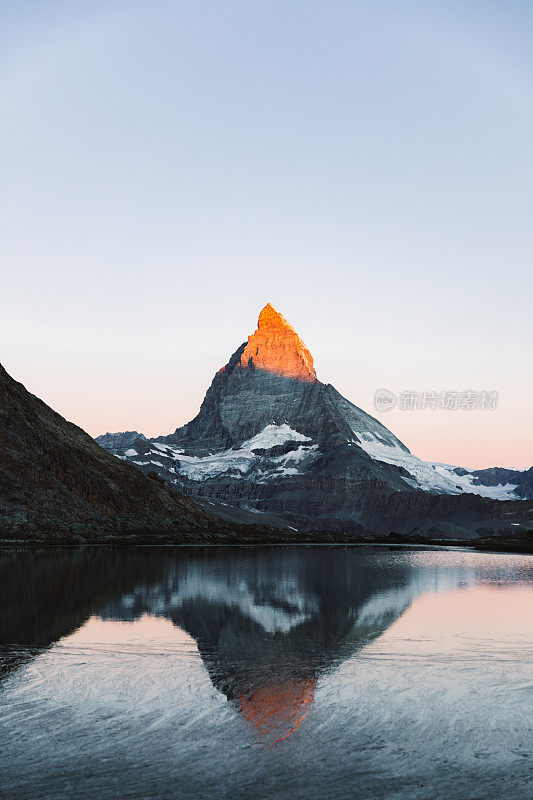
x,y
170,167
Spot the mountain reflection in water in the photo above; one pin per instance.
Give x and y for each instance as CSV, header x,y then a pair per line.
x,y
271,626
268,623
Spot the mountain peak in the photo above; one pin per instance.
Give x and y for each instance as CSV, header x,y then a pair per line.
x,y
270,317
276,347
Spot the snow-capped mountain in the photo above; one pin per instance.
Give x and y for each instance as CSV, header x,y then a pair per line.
x,y
270,437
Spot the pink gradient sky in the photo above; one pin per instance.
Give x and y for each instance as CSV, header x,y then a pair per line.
x,y
171,167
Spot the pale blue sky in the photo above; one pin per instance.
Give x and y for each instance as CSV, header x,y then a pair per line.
x,y
169,167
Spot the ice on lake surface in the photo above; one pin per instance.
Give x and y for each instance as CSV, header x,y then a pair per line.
x,y
312,672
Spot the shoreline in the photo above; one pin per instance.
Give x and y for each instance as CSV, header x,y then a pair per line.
x,y
520,545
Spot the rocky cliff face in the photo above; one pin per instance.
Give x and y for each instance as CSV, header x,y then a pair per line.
x,y
276,347
55,480
270,438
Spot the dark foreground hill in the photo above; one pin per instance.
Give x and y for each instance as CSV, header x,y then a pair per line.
x,y
55,481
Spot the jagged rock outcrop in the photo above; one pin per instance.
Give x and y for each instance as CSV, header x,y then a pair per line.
x,y
56,481
115,442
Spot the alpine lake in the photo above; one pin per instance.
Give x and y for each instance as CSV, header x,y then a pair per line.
x,y
317,672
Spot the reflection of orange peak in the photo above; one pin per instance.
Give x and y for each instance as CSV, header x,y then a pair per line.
x,y
277,710
276,347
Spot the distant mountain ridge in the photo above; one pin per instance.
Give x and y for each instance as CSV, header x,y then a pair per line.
x,y
498,476
271,438
118,441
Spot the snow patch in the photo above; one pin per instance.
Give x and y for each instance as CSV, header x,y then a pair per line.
x,y
432,477
242,460
274,435
252,509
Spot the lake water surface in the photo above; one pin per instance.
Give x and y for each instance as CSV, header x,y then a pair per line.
x,y
288,672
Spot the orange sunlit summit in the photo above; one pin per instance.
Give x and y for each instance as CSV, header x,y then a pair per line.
x,y
276,347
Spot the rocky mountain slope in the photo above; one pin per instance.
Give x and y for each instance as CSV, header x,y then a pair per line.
x,y
270,438
56,481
